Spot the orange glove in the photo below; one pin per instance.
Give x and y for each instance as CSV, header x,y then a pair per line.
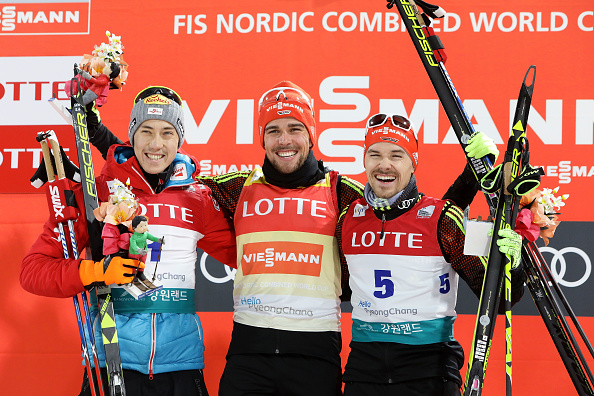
x,y
110,270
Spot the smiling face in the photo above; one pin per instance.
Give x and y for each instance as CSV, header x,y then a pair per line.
x,y
287,144
388,169
155,145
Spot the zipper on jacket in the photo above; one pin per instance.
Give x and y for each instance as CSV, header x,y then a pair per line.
x,y
383,224
153,343
143,179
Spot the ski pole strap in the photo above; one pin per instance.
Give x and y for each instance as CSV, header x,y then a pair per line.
x,y
60,197
61,201
491,182
40,177
528,180
433,11
435,43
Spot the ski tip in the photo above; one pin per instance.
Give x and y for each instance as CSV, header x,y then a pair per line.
x,y
532,69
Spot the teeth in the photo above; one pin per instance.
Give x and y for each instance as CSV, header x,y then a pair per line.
x,y
385,178
286,154
154,156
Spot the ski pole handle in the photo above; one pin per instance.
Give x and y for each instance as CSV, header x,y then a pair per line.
x,y
507,175
49,169
53,140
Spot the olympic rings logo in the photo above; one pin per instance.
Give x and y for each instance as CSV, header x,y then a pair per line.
x,y
229,271
558,258
406,203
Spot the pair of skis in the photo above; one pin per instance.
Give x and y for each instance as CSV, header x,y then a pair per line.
x,y
510,180
103,293
431,51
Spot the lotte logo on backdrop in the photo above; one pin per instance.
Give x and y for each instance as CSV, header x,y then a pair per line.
x,y
18,18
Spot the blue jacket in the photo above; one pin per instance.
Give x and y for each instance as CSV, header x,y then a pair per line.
x,y
162,332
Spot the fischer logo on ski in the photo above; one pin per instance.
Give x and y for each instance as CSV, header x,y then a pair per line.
x,y
411,13
105,303
83,139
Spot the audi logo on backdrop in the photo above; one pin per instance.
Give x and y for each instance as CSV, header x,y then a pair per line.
x,y
558,264
230,272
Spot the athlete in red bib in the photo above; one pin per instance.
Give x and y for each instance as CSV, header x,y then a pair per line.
x,y
405,254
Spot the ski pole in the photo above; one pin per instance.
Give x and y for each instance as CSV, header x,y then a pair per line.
x,y
547,274
43,138
570,312
158,257
61,175
555,322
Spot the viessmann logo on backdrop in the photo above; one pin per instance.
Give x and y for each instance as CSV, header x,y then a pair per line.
x,y
42,17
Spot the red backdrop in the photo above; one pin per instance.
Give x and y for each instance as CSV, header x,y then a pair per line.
x,y
353,57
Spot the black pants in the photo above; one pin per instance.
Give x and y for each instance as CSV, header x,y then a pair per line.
x,y
175,383
279,375
435,386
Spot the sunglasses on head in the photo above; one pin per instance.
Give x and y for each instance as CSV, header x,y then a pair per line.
x,y
156,90
275,94
381,118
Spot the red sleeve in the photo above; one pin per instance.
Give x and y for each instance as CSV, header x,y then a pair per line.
x,y
44,271
219,235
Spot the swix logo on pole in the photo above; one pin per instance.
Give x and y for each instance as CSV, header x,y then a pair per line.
x,y
57,205
60,200
44,18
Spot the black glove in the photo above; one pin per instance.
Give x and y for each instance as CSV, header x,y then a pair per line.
x,y
70,169
93,117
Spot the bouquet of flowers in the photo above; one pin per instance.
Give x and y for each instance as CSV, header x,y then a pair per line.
x,y
539,214
119,210
121,207
112,52
96,76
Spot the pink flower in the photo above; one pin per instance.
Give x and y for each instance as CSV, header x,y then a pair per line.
x,y
525,227
541,223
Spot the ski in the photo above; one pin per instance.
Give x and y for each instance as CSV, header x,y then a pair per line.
x,y
502,179
103,293
430,50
